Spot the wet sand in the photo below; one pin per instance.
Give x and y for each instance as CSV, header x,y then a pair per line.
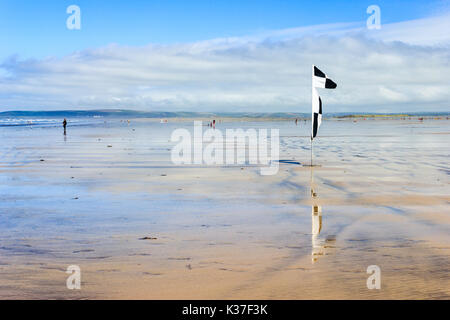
x,y
225,232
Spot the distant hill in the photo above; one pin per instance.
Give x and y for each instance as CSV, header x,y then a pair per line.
x,y
147,114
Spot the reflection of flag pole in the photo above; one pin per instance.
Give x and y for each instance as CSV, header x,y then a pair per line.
x,y
316,222
319,80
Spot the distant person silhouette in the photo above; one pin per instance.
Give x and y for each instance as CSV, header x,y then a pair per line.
x,y
65,125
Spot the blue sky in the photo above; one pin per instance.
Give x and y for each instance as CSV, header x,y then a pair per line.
x,y
37,28
224,55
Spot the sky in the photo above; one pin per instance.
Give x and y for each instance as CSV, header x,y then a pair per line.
x,y
228,56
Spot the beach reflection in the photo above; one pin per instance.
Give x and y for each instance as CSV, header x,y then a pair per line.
x,y
316,222
318,244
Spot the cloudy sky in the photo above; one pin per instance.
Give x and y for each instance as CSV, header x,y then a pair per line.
x,y
224,56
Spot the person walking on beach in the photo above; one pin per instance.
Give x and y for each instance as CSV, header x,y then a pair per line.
x,y
65,125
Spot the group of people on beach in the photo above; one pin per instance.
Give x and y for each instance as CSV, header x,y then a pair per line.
x,y
212,124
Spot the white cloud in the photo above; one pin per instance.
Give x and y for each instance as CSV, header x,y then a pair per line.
x,y
267,72
426,31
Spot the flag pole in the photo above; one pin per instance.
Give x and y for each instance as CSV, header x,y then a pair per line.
x,y
312,114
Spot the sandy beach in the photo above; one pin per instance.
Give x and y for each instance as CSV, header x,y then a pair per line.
x,y
107,198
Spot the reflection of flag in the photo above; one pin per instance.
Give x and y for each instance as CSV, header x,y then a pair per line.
x,y
319,80
316,219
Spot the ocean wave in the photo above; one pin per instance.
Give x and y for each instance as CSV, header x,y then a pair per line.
x,y
18,122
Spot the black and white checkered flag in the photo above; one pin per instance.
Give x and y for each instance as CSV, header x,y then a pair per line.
x,y
319,80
